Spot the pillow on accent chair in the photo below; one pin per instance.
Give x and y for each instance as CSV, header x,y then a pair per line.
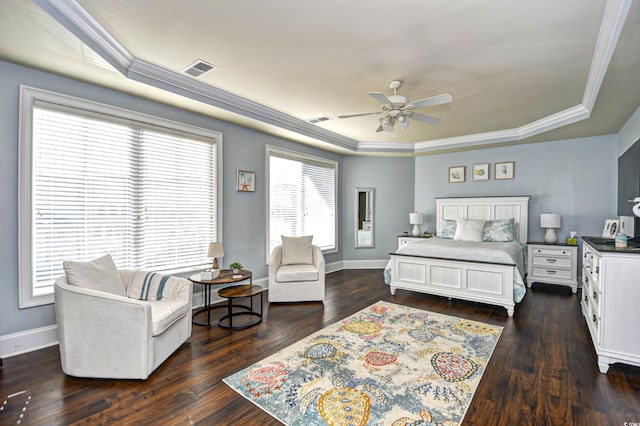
x,y
154,286
501,230
99,274
469,229
297,250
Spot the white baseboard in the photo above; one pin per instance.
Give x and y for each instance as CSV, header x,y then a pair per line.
x,y
27,341
365,264
39,338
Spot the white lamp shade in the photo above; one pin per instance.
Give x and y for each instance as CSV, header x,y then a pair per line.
x,y
215,250
550,220
415,218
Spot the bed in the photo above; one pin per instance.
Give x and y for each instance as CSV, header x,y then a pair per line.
x,y
486,272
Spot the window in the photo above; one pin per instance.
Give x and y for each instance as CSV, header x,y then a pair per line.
x,y
302,198
96,179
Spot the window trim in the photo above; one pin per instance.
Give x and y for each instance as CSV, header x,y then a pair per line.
x,y
300,156
28,97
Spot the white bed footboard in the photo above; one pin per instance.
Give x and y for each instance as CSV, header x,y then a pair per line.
x,y
473,281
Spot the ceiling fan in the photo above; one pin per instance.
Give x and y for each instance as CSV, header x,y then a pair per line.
x,y
398,110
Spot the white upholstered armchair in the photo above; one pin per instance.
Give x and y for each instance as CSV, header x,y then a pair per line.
x,y
105,331
296,271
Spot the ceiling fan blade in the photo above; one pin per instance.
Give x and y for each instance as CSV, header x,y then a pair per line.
x,y
444,98
360,115
380,98
425,118
379,129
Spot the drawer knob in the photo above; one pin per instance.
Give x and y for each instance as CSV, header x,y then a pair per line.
x,y
552,260
585,297
594,318
597,269
595,296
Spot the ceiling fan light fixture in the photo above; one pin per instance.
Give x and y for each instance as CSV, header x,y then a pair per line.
x,y
403,122
387,124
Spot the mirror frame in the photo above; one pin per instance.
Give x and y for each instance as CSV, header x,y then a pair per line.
x,y
371,204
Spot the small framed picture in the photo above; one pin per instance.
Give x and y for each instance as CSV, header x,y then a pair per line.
x,y
503,170
610,228
456,174
480,172
246,181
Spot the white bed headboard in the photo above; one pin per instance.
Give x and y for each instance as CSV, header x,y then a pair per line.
x,y
487,208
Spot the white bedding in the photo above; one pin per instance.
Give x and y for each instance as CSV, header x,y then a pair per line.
x,y
493,252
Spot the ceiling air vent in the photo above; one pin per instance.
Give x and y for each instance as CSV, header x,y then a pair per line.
x,y
318,120
198,68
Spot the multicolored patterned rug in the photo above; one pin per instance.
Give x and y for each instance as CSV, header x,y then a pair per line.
x,y
385,365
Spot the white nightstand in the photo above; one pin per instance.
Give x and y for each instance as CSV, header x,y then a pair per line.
x,y
404,239
553,264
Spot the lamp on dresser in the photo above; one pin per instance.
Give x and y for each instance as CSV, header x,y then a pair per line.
x,y
416,220
550,221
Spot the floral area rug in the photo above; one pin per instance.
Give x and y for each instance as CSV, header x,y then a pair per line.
x,y
387,364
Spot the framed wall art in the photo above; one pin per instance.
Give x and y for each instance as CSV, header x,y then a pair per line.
x,y
480,172
503,170
457,174
246,181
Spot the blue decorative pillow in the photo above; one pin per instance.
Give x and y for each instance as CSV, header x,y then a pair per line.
x,y
153,286
501,230
447,229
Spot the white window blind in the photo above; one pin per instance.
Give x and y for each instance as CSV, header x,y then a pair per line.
x,y
101,184
302,198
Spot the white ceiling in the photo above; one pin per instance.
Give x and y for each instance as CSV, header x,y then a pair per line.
x,y
519,71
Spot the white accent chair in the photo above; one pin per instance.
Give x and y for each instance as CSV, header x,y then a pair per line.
x,y
106,335
296,282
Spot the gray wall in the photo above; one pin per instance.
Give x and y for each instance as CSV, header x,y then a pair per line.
x,y
576,178
243,213
629,133
392,179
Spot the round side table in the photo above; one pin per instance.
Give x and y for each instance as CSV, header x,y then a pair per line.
x,y
226,276
238,292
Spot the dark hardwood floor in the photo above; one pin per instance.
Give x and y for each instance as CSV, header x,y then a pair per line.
x,y
542,372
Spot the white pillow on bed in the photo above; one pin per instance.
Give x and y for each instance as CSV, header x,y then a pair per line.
x,y
469,229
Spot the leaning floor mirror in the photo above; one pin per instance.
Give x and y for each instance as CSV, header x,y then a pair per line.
x,y
364,217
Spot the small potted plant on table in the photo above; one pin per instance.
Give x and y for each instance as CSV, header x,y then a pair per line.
x,y
236,267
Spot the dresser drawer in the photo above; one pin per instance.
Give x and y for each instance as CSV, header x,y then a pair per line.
x,y
555,262
559,274
552,252
593,321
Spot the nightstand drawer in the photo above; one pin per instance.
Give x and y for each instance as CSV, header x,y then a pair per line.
x,y
555,262
552,252
559,274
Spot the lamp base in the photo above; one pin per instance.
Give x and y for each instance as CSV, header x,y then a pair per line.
x,y
550,236
416,231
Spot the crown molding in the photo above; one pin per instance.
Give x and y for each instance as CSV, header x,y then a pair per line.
x,y
73,17
613,19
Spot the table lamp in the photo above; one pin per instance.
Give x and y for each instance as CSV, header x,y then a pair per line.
x,y
551,221
416,220
215,251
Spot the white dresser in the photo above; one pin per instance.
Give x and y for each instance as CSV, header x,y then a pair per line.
x,y
611,301
553,264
